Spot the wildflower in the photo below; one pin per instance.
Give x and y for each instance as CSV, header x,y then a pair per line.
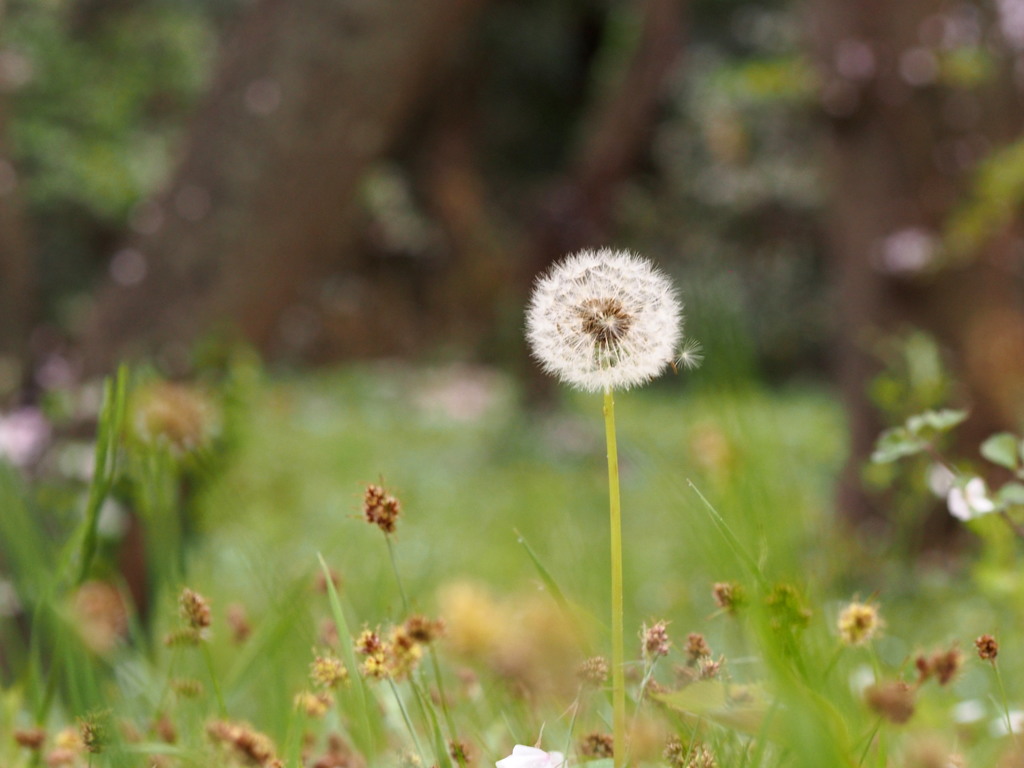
x,y
23,436
680,755
238,620
728,595
178,416
593,671
194,609
403,653
244,739
656,640
894,700
30,738
697,648
858,623
944,665
459,751
603,320
92,736
313,704
970,501
531,757
987,647
597,745
164,728
381,508
424,630
339,755
327,671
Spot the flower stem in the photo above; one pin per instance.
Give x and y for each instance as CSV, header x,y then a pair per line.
x,y
618,647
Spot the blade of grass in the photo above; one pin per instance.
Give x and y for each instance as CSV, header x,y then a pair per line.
x,y
371,741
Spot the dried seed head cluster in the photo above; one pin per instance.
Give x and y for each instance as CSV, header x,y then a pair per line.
x,y
597,745
30,738
92,736
893,700
728,595
987,647
238,620
194,609
249,743
381,508
398,655
313,704
424,630
681,755
459,751
327,671
656,641
697,648
179,416
593,671
942,665
858,623
603,320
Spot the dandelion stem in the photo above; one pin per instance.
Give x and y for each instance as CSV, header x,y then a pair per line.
x,y
618,644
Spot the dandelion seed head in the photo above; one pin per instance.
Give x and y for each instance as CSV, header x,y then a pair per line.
x,y
604,319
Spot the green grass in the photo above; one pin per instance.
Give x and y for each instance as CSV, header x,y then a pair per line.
x,y
289,488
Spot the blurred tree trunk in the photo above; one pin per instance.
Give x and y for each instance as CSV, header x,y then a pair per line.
x,y
17,280
901,146
578,209
309,93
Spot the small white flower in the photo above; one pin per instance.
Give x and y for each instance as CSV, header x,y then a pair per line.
x,y
23,436
531,757
970,501
603,320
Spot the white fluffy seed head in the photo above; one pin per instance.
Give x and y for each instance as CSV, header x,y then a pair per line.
x,y
604,320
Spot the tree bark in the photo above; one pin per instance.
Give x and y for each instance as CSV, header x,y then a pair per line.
x,y
577,210
891,126
309,93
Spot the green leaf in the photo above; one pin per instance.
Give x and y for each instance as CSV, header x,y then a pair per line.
x,y
1001,449
362,704
896,443
1011,494
939,421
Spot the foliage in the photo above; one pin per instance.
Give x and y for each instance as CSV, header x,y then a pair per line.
x,y
763,679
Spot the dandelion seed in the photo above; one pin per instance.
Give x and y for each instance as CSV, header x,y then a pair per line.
x,y
604,320
691,355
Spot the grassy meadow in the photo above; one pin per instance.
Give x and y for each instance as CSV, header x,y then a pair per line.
x,y
503,536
